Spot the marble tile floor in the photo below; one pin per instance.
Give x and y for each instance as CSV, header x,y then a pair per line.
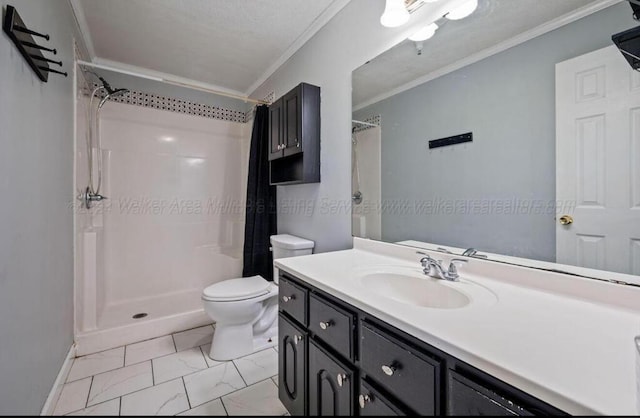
x,y
171,375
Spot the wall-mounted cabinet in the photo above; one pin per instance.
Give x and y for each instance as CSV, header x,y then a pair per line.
x,y
294,136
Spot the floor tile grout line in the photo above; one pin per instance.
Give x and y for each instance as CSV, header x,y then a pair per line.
x,y
188,374
241,376
84,377
175,346
82,409
205,357
86,404
136,391
186,392
225,406
140,362
128,393
141,341
153,377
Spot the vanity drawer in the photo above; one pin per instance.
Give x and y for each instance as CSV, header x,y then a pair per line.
x,y
372,403
332,324
470,398
293,299
409,375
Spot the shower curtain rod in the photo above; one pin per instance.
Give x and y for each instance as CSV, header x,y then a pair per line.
x,y
173,82
364,123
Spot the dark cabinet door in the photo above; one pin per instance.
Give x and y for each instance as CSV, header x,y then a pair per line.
x,y
331,384
292,103
292,363
468,398
373,404
276,118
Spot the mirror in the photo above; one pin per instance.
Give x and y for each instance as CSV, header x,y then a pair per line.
x,y
551,176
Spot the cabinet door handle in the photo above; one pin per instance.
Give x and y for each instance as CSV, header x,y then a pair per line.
x,y
342,378
279,146
389,370
297,145
297,339
325,325
363,400
286,299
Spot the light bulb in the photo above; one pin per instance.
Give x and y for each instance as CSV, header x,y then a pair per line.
x,y
462,11
395,14
425,33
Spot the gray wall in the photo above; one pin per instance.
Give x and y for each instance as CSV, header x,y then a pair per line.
x,y
508,101
36,222
322,212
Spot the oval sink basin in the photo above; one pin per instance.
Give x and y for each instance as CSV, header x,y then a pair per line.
x,y
427,292
411,286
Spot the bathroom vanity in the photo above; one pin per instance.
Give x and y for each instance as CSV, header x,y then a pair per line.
x,y
364,332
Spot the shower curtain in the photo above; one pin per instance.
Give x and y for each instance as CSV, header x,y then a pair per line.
x,y
261,220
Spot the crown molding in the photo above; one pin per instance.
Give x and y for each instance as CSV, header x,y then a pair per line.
x,y
496,49
172,78
83,27
316,25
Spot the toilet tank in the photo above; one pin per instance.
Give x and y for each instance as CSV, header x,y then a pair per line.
x,y
285,246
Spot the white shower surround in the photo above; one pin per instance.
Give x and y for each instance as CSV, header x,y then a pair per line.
x,y
367,216
173,223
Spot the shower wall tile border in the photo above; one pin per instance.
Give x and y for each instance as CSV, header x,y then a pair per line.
x,y
376,120
154,101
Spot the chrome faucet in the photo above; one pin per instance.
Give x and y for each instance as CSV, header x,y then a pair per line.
x,y
433,268
472,252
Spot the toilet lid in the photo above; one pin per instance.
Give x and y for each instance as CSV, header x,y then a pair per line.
x,y
243,288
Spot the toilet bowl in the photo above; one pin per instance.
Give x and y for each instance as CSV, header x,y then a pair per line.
x,y
246,309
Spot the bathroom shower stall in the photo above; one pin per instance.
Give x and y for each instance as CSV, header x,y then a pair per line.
x,y
173,168
366,198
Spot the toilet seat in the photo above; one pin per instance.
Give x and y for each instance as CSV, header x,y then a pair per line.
x,y
237,289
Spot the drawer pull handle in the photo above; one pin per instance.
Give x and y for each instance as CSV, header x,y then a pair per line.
x,y
388,370
363,400
342,378
325,325
286,299
297,339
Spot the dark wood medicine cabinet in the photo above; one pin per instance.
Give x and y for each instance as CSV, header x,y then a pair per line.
x,y
294,137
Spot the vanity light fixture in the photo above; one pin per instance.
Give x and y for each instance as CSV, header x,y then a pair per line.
x,y
462,11
395,14
425,33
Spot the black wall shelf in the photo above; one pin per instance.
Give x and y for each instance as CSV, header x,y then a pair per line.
x,y
452,140
31,51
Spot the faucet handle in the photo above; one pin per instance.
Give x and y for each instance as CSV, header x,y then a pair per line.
x,y
453,266
426,262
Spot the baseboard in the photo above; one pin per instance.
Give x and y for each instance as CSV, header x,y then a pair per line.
x,y
52,399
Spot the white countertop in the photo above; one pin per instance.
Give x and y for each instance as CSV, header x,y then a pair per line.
x,y
565,340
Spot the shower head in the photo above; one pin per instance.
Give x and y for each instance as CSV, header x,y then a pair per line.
x,y
110,92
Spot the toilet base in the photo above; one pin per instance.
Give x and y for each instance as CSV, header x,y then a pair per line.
x,y
230,342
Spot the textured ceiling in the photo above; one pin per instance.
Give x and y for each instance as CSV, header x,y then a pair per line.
x,y
493,22
228,43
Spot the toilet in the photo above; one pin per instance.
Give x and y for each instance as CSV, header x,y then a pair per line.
x,y
246,309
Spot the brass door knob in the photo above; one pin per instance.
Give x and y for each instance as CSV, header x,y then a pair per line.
x,y
566,220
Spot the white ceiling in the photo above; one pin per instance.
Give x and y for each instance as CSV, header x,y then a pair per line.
x,y
225,43
493,22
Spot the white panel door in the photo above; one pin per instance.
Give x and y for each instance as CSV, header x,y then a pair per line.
x,y
598,162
